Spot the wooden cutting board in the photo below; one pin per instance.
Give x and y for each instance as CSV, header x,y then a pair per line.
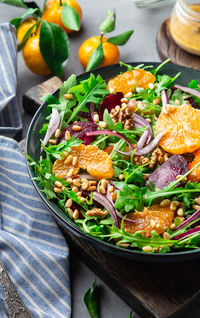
x,y
167,48
152,290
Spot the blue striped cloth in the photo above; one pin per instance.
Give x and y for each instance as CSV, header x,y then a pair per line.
x,y
32,247
10,120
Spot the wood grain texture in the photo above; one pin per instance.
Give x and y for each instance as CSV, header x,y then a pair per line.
x,y
31,99
167,48
153,290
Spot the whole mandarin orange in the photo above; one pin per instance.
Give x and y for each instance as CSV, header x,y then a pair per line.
x,y
33,57
111,51
53,12
24,27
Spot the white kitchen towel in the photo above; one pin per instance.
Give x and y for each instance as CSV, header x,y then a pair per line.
x,y
10,119
32,246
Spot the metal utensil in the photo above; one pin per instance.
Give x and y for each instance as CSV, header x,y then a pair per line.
x,y
15,305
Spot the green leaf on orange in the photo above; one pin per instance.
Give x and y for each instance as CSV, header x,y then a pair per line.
x,y
16,3
108,25
121,39
70,18
27,36
54,46
16,21
96,58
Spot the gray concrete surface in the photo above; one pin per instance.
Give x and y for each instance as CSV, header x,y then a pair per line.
x,y
141,47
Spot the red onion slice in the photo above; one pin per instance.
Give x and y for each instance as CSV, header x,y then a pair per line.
x,y
92,107
53,125
151,146
188,90
188,233
110,133
107,204
143,139
165,99
141,122
191,218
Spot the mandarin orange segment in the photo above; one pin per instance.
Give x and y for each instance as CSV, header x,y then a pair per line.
x,y
181,125
127,81
97,162
194,176
152,218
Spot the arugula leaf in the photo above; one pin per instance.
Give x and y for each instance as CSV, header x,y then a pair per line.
x,y
90,90
55,151
129,198
91,301
108,25
164,82
121,39
109,122
177,94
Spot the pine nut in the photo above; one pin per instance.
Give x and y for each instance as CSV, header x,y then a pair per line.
x,y
156,101
124,244
76,128
114,196
102,189
165,203
147,249
56,190
57,133
96,118
79,194
180,212
74,161
102,124
82,199
148,120
128,95
151,85
58,184
68,160
65,154
124,105
172,226
111,90
70,211
92,188
177,102
104,183
121,176
52,141
70,173
196,207
85,185
117,108
69,180
67,135
124,100
68,96
166,236
84,180
77,182
197,201
174,205
75,214
93,182
68,203
178,176
75,189
111,189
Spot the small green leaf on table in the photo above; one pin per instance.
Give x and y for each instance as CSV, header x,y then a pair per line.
x,y
96,58
70,18
54,46
16,21
91,301
16,3
108,25
121,39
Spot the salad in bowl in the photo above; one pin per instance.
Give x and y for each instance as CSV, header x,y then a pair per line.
x,y
121,158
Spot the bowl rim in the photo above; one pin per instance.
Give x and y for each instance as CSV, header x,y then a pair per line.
x,y
140,255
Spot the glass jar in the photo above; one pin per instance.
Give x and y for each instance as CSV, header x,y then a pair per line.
x,y
152,3
185,25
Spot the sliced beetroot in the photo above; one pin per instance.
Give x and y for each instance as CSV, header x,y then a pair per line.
x,y
86,127
110,102
168,171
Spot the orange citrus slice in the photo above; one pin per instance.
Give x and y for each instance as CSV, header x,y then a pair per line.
x,y
97,162
181,125
127,81
152,218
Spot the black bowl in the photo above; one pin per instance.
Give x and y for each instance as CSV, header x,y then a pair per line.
x,y
33,149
